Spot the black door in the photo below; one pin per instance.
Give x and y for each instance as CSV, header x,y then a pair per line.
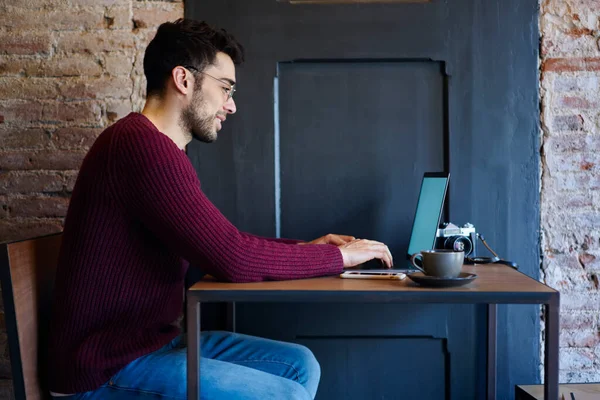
x,y
341,108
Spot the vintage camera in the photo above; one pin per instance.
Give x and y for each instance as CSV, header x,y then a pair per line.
x,y
452,237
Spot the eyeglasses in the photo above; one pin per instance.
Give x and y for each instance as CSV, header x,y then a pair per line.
x,y
229,89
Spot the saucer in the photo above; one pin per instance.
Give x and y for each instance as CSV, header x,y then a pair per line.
x,y
433,281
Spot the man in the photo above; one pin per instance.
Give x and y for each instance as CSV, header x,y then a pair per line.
x,y
137,217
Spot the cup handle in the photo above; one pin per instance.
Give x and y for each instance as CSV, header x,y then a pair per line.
x,y
412,261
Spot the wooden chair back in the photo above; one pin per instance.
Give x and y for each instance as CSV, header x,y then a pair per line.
x,y
27,273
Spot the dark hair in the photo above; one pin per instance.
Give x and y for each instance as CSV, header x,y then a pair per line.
x,y
185,42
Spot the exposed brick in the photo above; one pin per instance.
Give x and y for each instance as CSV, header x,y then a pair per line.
x,y
571,64
25,43
564,273
118,17
579,359
22,111
578,321
100,2
595,279
586,84
22,138
580,301
587,219
74,65
70,178
152,14
30,4
69,138
41,160
33,182
118,64
138,67
571,200
38,206
569,46
575,102
567,123
18,229
57,19
117,109
17,111
28,89
570,61
579,338
97,88
584,161
81,112
572,143
562,235
95,42
14,65
566,375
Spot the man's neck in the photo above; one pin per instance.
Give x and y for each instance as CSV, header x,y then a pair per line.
x,y
166,119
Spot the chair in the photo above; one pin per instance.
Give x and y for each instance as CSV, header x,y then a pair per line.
x,y
27,272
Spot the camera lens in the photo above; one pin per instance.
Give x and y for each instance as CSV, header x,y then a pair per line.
x,y
459,243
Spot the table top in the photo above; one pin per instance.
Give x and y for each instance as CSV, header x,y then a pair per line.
x,y
581,391
495,283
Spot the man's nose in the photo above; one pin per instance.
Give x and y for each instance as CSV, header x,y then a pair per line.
x,y
230,106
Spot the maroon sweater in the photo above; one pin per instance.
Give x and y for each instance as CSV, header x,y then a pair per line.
x,y
137,217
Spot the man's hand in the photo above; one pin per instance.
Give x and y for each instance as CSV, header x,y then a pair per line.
x,y
358,251
333,239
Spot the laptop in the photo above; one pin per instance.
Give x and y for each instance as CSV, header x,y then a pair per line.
x,y
428,213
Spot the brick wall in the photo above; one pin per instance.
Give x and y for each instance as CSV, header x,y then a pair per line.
x,y
570,195
68,69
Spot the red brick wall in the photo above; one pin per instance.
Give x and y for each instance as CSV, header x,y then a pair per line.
x,y
570,99
68,69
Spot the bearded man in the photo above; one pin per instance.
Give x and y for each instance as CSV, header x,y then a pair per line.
x,y
138,218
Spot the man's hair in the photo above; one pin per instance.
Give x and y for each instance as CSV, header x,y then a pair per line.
x,y
185,43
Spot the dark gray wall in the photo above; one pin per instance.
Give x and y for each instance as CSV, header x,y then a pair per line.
x,y
443,85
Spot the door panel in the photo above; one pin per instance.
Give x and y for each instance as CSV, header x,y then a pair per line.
x,y
365,171
341,108
339,357
412,346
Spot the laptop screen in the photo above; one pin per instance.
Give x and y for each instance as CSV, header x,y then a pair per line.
x,y
429,211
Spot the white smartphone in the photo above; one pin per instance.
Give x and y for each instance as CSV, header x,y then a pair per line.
x,y
365,274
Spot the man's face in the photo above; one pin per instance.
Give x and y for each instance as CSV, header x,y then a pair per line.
x,y
210,103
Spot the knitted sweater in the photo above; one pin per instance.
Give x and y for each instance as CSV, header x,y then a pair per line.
x,y
136,220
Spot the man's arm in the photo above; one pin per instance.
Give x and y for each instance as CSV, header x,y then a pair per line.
x,y
277,240
336,240
159,186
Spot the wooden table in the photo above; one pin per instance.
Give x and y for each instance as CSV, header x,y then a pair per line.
x,y
495,284
581,391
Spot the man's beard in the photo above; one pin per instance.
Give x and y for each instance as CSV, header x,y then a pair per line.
x,y
194,119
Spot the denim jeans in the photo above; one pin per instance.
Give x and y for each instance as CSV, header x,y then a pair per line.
x,y
232,367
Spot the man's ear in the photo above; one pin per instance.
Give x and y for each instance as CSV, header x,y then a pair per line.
x,y
182,79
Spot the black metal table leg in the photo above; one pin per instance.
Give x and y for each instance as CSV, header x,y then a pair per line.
x,y
492,312
552,318
230,323
193,348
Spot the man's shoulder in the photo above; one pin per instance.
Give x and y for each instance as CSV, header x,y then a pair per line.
x,y
130,133
134,124
135,141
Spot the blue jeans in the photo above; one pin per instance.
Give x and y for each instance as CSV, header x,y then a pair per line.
x,y
232,367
